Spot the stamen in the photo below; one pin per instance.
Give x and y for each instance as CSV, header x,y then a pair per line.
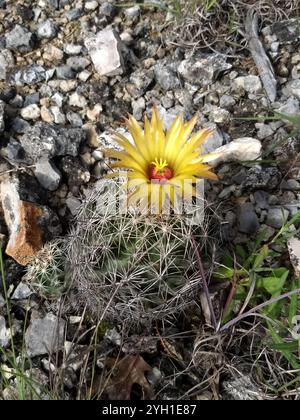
x,y
159,164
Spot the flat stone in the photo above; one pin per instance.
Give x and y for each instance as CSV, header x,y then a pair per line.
x,y
166,75
48,140
251,84
21,292
4,334
105,49
277,217
239,150
72,49
78,63
7,61
29,225
77,100
247,219
45,336
203,69
286,31
294,251
29,75
20,39
31,112
47,30
47,175
293,88
2,126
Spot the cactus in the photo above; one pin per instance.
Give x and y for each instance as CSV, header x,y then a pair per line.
x,y
47,274
132,268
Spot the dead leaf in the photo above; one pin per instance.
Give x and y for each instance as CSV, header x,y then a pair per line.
x,y
129,371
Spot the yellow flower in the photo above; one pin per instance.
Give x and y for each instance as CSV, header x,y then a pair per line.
x,y
161,164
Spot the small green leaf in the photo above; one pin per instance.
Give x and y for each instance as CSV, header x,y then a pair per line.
x,y
263,254
293,346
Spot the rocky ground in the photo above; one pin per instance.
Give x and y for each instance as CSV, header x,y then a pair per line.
x,y
69,72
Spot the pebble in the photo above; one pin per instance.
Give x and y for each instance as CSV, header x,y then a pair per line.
x,y
31,112
52,53
47,30
74,119
77,100
72,49
105,51
247,219
251,84
45,336
91,5
20,39
277,217
47,175
94,113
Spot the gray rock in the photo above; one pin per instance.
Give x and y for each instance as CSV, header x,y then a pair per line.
x,y
290,107
76,173
251,84
4,333
78,63
141,79
21,292
1,116
293,88
54,3
47,30
268,232
227,101
138,108
91,5
247,219
29,75
47,175
74,119
45,336
6,61
203,69
20,126
257,178
240,150
107,9
33,98
166,75
2,301
264,130
132,13
72,49
48,140
20,39
286,31
277,217
73,205
74,14
214,141
65,72
261,199
58,116
219,116
105,49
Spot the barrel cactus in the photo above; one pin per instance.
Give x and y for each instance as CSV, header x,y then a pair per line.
x,y
132,268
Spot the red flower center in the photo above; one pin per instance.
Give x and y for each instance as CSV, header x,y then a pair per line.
x,y
160,175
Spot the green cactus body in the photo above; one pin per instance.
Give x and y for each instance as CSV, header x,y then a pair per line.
x,y
131,268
